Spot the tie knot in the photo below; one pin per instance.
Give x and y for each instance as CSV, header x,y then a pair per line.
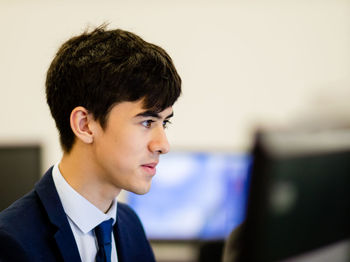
x,y
104,232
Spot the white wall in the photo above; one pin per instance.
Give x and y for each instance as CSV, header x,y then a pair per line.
x,y
241,63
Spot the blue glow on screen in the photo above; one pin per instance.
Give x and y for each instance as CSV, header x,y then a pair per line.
x,y
195,195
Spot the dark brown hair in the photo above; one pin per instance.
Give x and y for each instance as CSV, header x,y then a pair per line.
x,y
99,69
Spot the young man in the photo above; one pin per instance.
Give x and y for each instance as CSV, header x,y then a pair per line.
x,y
111,95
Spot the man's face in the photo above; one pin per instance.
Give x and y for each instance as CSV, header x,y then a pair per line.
x,y
127,151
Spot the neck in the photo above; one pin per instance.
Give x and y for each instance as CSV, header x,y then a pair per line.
x,y
86,179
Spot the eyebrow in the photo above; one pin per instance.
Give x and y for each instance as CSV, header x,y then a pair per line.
x,y
150,113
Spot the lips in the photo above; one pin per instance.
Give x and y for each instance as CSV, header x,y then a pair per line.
x,y
150,168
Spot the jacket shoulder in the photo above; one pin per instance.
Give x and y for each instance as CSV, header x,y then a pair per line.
x,y
132,243
22,213
19,226
126,210
27,231
10,248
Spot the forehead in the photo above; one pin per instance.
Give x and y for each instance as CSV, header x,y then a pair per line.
x,y
136,109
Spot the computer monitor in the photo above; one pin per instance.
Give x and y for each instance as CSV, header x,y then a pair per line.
x,y
194,196
20,168
299,199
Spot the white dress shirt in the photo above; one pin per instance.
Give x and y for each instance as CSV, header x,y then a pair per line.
x,y
83,217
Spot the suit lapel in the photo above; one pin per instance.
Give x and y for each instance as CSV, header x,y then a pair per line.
x,y
122,238
119,244
64,237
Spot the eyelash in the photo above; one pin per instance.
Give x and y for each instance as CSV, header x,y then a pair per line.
x,y
166,123
148,123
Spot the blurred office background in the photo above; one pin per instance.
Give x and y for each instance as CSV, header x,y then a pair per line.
x,y
243,64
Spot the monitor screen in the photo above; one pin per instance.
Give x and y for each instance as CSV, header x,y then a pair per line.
x,y
299,199
194,195
20,168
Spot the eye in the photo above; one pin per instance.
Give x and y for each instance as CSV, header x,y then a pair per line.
x,y
147,123
166,123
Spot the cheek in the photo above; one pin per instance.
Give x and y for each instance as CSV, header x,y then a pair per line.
x,y
130,150
123,146
133,141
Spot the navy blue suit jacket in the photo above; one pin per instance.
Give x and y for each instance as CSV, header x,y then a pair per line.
x,y
36,228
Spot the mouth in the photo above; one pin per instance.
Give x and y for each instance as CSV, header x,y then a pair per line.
x,y
150,168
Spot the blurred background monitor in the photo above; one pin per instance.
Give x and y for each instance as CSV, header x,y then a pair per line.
x,y
20,169
194,196
299,201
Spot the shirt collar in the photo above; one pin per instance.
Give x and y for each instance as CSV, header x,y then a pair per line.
x,y
83,213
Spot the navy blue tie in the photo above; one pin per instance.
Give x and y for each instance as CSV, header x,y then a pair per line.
x,y
103,234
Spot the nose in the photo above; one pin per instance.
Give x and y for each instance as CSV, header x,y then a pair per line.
x,y
159,142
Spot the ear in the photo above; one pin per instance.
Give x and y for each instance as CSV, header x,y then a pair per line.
x,y
80,120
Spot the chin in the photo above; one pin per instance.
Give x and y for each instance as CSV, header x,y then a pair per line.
x,y
140,190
